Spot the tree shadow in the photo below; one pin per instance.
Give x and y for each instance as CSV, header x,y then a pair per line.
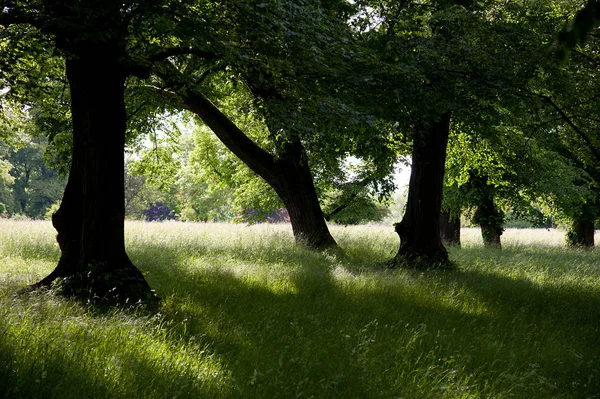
x,y
329,327
280,334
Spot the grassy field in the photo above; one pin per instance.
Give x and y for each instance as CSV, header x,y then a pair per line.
x,y
246,314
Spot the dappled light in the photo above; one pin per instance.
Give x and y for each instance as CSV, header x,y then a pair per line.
x,y
201,199
246,314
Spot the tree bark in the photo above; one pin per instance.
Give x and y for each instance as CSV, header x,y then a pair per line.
x,y
293,183
90,221
581,234
490,229
450,228
487,215
420,241
289,174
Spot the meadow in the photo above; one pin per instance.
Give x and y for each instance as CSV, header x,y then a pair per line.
x,y
246,314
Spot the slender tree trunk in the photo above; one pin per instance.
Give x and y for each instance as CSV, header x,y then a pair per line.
x,y
420,242
487,215
289,175
90,221
491,233
450,228
581,234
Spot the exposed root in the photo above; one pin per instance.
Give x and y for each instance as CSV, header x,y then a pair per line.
x,y
422,262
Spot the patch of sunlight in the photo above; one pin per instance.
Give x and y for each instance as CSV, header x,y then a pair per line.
x,y
276,278
471,236
125,349
340,273
169,357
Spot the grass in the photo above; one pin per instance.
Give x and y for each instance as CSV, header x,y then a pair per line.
x,y
246,314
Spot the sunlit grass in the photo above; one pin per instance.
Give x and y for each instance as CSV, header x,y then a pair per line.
x,y
247,314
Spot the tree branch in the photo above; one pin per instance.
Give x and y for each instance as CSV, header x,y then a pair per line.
x,y
204,75
171,52
339,208
569,122
142,70
256,158
138,109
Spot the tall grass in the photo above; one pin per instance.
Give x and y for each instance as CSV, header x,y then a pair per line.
x,y
247,314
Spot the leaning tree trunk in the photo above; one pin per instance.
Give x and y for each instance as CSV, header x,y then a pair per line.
x,y
420,242
450,228
289,174
293,182
581,234
90,221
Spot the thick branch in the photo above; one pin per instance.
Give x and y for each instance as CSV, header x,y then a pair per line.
x,y
142,70
575,128
171,52
568,120
339,208
257,159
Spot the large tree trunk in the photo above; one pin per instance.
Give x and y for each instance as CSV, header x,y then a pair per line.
x,y
450,228
420,242
289,174
90,222
581,234
293,183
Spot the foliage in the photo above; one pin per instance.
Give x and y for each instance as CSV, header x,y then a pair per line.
x,y
514,221
271,80
30,187
6,179
200,178
139,194
228,177
480,61
52,210
565,121
578,29
352,203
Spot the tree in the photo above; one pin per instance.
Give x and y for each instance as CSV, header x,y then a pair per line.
x,y
32,186
289,174
420,242
578,28
103,43
436,63
568,108
280,69
492,172
36,186
465,59
450,227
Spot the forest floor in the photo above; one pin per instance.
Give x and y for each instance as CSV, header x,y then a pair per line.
x,y
246,314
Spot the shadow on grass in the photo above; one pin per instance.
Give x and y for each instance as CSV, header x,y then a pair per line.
x,y
52,375
326,340
78,356
340,330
